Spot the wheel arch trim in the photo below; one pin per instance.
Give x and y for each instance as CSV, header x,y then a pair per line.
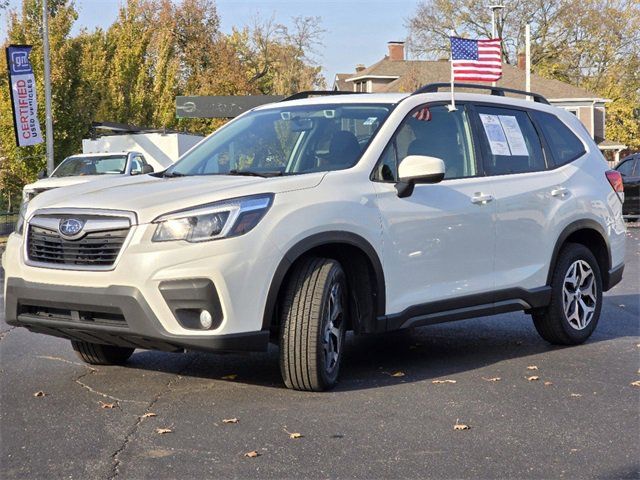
x,y
319,240
583,224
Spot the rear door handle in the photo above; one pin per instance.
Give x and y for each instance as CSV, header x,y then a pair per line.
x,y
559,192
481,199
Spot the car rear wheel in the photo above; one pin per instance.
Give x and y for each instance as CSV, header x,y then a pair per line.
x,y
96,354
313,321
576,298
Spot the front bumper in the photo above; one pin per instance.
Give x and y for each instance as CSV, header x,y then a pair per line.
x,y
119,316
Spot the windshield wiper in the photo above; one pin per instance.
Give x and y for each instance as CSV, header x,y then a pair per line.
x,y
173,174
251,173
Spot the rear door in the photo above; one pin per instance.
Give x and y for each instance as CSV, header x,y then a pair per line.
x,y
530,196
439,242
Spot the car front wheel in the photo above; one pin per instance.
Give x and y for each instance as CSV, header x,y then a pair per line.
x,y
313,324
96,354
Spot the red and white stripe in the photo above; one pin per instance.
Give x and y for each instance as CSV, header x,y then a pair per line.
x,y
488,67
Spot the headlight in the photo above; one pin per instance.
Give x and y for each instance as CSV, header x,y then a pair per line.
x,y
21,216
229,218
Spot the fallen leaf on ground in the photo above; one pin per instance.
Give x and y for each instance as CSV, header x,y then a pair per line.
x,y
576,395
39,394
461,426
532,367
636,383
107,405
149,414
233,376
252,454
397,374
437,382
162,431
492,379
230,420
546,384
295,435
533,378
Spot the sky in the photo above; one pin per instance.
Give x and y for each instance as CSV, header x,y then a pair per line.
x,y
357,31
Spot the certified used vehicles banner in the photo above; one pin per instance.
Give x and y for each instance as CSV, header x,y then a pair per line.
x,y
23,96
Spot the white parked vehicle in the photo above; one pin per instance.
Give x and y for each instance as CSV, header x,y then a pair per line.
x,y
303,219
86,167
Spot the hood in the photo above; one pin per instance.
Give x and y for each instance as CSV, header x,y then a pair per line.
x,y
151,196
56,182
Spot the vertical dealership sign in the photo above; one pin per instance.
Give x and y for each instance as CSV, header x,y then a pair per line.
x,y
23,96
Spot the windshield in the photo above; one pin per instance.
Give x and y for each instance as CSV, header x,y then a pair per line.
x,y
93,165
287,141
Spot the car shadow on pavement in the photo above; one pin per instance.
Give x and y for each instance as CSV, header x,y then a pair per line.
x,y
416,355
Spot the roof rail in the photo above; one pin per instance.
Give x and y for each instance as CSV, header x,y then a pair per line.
x,y
499,91
316,93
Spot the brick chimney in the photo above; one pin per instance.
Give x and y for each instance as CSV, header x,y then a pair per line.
x,y
396,50
522,60
360,67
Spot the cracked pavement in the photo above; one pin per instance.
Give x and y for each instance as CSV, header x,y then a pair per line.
x,y
374,425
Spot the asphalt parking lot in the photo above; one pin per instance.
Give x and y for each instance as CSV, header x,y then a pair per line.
x,y
386,419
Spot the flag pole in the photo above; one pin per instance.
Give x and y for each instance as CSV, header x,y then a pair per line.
x,y
47,86
527,35
452,107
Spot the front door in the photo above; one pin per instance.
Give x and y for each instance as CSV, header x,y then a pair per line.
x,y
438,243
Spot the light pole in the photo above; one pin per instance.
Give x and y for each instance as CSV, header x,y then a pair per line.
x,y
494,30
47,86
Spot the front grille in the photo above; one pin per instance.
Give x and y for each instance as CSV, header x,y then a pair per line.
x,y
95,249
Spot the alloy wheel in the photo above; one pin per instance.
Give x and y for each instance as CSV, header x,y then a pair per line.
x,y
579,295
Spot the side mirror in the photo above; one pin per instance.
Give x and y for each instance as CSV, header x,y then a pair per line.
x,y
147,169
42,174
418,169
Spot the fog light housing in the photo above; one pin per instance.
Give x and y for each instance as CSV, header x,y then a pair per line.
x,y
194,303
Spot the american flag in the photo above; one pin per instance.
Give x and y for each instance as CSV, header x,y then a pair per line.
x,y
476,60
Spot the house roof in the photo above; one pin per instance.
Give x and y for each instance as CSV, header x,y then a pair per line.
x,y
339,82
415,73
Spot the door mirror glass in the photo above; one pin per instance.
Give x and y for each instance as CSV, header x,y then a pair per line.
x,y
147,169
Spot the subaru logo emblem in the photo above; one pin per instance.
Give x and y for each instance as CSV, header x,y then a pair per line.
x,y
70,227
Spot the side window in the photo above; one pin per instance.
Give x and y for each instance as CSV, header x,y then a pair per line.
x,y
143,162
565,146
136,165
626,168
510,141
432,131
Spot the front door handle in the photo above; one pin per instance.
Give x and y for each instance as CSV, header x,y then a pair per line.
x,y
481,199
559,192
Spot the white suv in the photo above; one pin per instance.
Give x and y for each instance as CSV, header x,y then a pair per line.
x,y
303,219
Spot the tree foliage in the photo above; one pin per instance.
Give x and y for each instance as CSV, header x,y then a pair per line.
x,y
593,44
132,71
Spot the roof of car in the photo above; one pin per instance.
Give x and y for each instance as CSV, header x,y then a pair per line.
x,y
100,154
393,98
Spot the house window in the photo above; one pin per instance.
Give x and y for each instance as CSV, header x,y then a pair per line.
x,y
572,110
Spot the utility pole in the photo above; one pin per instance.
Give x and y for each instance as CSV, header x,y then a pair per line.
x,y
47,87
494,27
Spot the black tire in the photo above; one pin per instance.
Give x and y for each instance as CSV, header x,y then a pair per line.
x,y
552,323
96,354
305,308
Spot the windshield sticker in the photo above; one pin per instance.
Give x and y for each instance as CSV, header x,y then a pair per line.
x,y
370,121
495,134
514,135
329,113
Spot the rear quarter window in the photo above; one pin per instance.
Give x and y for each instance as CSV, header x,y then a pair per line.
x,y
565,146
